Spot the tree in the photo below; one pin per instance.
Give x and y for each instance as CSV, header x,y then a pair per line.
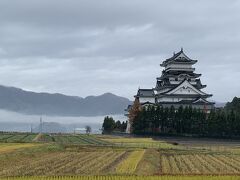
x,y
211,122
134,111
234,105
108,124
220,122
171,121
123,126
140,124
194,122
179,119
156,121
88,129
118,125
232,123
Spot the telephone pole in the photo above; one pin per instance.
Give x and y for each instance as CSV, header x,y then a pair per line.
x,y
41,124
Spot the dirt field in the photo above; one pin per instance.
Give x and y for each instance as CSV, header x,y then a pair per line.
x,y
114,155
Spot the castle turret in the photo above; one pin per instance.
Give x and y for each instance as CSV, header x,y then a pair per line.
x,y
180,85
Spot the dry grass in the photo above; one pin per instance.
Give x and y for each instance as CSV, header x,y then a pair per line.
x,y
9,147
60,163
55,159
150,163
200,164
129,165
127,178
138,142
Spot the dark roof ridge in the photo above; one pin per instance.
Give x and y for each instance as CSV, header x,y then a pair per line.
x,y
145,89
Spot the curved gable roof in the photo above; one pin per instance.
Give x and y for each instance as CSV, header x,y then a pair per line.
x,y
185,84
179,57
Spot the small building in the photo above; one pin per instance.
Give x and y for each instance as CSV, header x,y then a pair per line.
x,y
80,131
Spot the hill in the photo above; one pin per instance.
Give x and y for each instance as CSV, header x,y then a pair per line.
x,y
234,105
27,102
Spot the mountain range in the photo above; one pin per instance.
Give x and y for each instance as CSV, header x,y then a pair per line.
x,y
27,102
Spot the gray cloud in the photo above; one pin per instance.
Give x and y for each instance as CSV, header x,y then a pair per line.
x,y
89,47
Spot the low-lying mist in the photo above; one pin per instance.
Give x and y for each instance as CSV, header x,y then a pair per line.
x,y
11,121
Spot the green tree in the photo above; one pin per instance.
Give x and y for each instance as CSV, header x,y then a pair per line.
x,y
179,120
194,122
171,120
123,126
108,124
232,123
88,129
157,118
118,125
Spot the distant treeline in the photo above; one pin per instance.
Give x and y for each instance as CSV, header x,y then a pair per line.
x,y
223,122
110,125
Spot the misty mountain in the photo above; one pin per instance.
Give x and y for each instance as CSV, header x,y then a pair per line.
x,y
27,102
220,104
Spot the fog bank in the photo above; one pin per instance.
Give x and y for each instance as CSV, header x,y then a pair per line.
x,y
11,121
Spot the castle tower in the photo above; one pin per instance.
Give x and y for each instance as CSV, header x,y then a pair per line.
x,y
178,85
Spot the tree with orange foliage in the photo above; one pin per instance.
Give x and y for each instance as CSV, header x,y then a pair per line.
x,y
133,112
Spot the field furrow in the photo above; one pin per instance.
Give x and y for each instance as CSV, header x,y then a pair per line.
x,y
40,167
174,166
89,166
100,166
233,166
191,161
69,166
129,165
110,168
165,165
203,165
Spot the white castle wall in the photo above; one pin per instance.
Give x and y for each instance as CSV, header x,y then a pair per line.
x,y
172,99
147,99
179,66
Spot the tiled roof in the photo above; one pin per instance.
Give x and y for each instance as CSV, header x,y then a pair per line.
x,y
145,92
175,55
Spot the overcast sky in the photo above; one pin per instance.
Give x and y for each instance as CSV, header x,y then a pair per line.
x,y
89,47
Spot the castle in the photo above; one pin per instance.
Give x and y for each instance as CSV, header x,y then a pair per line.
x,y
177,86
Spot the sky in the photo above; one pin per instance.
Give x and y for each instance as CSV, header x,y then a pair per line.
x,y
89,47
